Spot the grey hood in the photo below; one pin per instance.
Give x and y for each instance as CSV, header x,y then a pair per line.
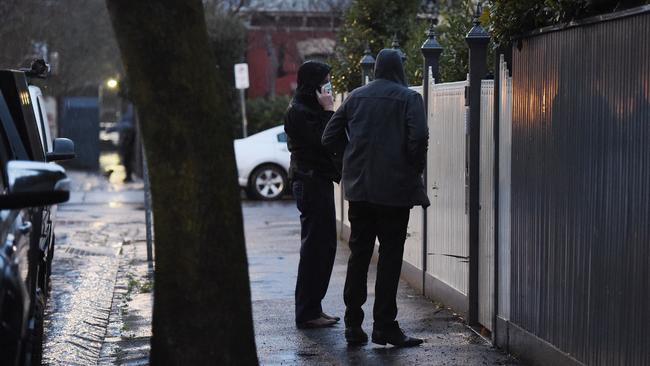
x,y
389,66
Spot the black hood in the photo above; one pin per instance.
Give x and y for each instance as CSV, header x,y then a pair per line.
x,y
389,66
311,75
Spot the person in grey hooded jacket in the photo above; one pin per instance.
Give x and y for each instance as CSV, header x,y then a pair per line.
x,y
381,131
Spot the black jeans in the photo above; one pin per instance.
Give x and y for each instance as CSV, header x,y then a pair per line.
x,y
315,200
368,222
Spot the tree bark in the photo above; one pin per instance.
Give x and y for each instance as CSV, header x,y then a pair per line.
x,y
202,309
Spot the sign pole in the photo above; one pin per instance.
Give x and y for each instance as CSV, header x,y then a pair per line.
x,y
242,83
244,121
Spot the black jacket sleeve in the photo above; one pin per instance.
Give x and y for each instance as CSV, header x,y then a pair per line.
x,y
306,127
417,131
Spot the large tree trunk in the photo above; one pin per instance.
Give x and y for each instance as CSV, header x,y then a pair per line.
x,y
202,309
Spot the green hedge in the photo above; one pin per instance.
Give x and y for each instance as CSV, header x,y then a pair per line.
x,y
512,18
262,114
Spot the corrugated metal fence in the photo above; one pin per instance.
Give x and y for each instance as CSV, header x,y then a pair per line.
x,y
581,189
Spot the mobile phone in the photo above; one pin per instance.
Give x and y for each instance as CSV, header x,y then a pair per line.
x,y
327,88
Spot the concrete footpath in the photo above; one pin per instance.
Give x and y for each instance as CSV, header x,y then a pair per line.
x,y
99,310
273,242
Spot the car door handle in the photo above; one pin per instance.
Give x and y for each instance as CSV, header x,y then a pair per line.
x,y
25,228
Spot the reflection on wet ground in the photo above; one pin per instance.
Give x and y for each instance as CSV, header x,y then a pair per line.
x,y
273,243
90,233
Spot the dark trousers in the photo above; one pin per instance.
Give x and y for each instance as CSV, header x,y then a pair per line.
x,y
368,222
127,150
315,200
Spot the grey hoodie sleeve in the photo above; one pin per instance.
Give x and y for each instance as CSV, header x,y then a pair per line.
x,y
417,131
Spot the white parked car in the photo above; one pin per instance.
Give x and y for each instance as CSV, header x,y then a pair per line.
x,y
263,163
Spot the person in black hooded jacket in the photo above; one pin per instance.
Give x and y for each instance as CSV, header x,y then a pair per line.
x,y
381,130
312,171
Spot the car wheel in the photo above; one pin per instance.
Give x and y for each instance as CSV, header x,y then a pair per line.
x,y
267,182
11,335
34,349
48,265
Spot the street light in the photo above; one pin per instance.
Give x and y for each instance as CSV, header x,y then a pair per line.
x,y
111,83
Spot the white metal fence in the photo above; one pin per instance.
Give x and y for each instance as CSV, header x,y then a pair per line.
x,y
447,220
486,215
413,245
505,152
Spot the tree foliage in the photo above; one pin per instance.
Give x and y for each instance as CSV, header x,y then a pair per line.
x,y
454,60
456,20
370,23
512,18
78,30
227,35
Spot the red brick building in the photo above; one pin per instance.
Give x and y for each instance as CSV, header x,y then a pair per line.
x,y
282,35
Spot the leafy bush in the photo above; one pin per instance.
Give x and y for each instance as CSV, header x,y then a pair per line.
x,y
457,20
367,21
262,114
512,18
371,23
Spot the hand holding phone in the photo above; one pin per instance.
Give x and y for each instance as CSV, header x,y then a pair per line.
x,y
325,97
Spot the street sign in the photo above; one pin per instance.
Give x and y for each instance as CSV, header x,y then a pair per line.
x,y
241,76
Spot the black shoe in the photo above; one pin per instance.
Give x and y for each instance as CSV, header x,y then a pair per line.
x,y
335,318
316,323
395,337
355,335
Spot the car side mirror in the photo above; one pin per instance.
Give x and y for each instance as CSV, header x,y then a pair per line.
x,y
33,184
63,150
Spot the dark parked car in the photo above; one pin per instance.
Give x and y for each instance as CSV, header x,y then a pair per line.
x,y
30,186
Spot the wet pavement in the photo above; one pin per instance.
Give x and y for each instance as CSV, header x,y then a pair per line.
x,y
95,233
273,242
99,311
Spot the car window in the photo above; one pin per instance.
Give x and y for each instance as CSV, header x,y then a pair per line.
x,y
282,137
43,120
4,158
16,95
12,141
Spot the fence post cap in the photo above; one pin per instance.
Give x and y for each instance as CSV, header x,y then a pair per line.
x,y
431,47
395,45
477,34
367,59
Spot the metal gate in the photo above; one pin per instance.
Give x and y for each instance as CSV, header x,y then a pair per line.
x,y
80,122
447,219
486,215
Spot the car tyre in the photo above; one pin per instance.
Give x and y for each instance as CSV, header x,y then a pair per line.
x,y
48,266
11,337
268,182
34,349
